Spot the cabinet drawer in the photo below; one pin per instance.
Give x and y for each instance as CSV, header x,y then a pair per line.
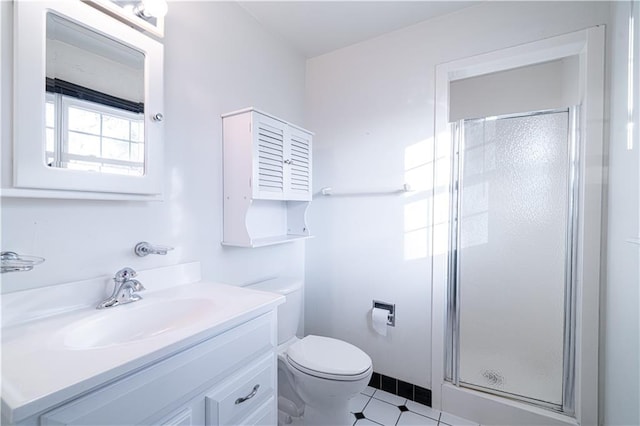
x,y
154,392
240,395
266,415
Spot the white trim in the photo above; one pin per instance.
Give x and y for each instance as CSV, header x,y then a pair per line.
x,y
75,195
588,45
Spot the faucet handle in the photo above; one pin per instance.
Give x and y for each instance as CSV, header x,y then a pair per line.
x,y
144,249
137,285
125,274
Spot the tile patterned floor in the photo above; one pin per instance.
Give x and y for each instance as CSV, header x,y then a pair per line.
x,y
377,407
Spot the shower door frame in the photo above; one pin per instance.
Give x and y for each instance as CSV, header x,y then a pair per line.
x,y
452,350
588,46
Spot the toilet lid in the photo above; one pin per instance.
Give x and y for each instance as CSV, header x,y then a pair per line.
x,y
330,358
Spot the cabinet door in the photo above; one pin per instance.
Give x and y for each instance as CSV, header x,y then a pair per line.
x,y
269,139
243,395
183,418
298,165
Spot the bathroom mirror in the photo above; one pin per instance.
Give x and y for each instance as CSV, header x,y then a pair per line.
x,y
88,102
94,102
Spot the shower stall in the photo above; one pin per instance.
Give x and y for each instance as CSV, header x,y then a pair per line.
x,y
517,234
511,307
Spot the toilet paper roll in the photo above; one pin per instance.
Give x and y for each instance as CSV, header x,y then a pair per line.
x,y
379,320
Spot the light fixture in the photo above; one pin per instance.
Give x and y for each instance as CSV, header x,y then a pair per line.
x,y
151,9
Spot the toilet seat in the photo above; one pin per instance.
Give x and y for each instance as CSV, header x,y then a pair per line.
x,y
328,358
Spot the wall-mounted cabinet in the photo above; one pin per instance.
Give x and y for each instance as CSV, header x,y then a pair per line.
x,y
74,67
267,179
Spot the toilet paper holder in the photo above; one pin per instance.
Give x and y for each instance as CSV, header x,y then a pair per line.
x,y
391,307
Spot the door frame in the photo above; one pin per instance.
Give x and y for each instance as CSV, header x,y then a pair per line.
x,y
588,46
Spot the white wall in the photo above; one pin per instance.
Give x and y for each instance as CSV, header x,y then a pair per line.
x,y
217,59
620,302
371,106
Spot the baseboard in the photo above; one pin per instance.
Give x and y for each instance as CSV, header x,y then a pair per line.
x,y
401,388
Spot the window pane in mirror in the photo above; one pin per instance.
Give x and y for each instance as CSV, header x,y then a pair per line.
x,y
49,114
114,127
98,85
83,165
50,120
83,144
137,152
49,140
137,131
83,121
115,149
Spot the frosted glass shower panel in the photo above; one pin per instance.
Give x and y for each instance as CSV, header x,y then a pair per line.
x,y
512,245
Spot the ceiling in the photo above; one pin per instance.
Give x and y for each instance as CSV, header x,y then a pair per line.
x,y
317,27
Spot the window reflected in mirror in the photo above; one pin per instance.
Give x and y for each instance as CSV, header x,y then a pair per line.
x,y
94,101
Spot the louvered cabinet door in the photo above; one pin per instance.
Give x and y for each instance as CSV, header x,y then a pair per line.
x,y
269,158
298,165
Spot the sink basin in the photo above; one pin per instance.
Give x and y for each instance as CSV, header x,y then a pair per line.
x,y
135,322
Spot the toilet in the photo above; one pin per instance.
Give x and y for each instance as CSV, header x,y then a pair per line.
x,y
317,376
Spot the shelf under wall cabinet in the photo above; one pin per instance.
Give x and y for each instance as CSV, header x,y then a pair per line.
x,y
269,241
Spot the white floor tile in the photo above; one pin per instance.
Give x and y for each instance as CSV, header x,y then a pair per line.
x,y
412,419
357,403
366,422
369,390
423,410
452,420
381,412
389,397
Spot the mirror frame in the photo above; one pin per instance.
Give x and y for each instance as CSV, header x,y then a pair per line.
x,y
29,168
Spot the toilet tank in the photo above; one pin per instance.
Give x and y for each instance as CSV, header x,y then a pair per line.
x,y
289,312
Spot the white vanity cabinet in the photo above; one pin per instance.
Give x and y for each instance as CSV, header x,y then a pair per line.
x,y
267,179
229,379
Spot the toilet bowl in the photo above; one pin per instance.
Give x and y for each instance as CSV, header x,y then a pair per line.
x,y
317,376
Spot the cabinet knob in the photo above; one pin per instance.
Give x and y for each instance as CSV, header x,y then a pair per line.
x,y
157,117
288,161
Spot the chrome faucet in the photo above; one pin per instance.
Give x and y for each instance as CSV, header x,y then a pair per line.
x,y
124,289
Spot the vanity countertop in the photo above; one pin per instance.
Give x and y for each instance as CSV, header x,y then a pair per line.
x,y
49,360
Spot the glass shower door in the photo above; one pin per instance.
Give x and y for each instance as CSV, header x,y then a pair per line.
x,y
511,270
